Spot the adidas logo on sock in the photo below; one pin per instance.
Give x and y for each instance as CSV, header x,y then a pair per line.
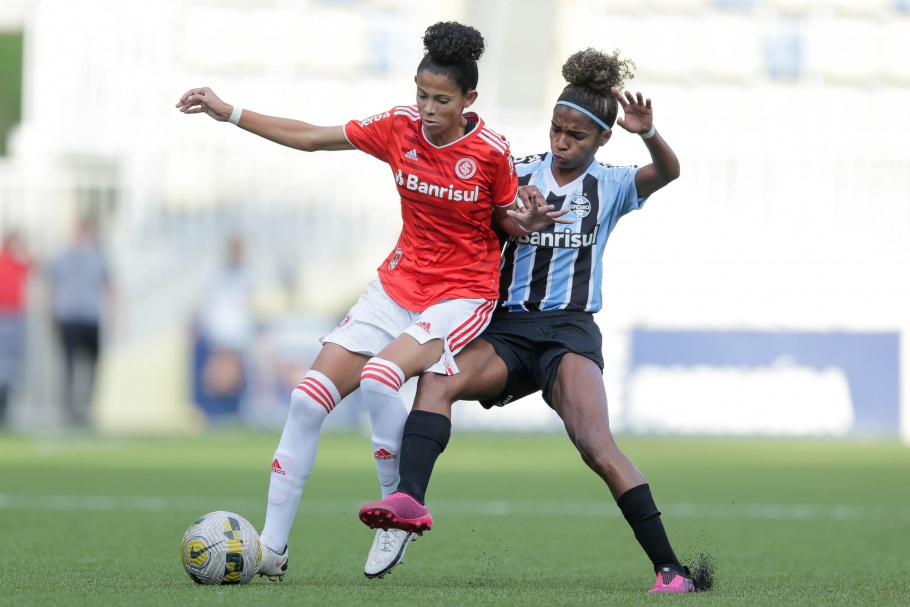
x,y
383,454
412,155
276,467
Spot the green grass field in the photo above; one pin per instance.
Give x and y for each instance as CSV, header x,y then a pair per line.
x,y
518,521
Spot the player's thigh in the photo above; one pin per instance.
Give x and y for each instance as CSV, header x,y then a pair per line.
x,y
341,366
579,397
411,356
481,375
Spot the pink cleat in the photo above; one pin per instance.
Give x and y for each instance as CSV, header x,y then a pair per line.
x,y
398,511
670,581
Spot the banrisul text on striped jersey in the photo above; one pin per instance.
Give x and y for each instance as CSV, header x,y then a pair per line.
x,y
559,240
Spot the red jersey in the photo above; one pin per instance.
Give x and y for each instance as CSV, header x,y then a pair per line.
x,y
447,248
13,276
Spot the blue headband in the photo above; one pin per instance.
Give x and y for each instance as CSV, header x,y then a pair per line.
x,y
586,113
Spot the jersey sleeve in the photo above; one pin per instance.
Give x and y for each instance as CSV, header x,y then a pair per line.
x,y
526,165
628,197
505,181
371,135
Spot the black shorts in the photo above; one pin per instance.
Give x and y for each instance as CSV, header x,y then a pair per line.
x,y
532,344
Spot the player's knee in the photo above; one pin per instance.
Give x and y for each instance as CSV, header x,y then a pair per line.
x,y
598,450
314,397
298,399
380,377
303,407
371,385
436,393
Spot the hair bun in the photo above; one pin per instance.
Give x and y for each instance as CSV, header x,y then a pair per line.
x,y
597,70
451,42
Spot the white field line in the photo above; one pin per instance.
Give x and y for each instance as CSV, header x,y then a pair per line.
x,y
200,505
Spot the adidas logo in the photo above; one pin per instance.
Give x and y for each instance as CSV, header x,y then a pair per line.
x,y
412,155
381,454
276,467
423,325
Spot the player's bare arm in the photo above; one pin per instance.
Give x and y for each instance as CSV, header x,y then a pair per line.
x,y
285,131
638,118
531,215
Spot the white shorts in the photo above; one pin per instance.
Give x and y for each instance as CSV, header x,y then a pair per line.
x,y
375,321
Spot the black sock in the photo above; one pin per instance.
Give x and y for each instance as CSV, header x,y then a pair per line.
x,y
638,507
425,437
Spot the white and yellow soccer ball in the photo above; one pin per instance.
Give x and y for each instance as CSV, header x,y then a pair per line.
x,y
221,548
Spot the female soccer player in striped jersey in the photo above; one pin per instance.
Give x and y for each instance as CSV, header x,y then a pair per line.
x,y
543,335
435,291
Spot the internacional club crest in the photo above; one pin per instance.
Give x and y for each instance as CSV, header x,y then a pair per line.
x,y
465,168
396,258
579,205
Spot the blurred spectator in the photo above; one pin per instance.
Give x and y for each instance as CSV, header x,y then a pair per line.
x,y
81,298
224,332
14,269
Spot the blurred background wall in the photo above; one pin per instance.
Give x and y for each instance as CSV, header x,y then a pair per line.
x,y
767,291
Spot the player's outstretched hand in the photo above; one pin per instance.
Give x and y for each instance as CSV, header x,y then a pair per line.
x,y
197,101
637,114
535,214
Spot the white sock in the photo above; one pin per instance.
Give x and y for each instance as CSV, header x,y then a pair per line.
x,y
380,383
293,461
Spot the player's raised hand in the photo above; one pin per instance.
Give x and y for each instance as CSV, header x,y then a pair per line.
x,y
535,213
197,101
637,114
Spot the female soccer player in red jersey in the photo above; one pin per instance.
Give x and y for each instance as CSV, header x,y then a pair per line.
x,y
435,291
543,335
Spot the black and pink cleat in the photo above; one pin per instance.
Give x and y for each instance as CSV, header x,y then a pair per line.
x,y
398,511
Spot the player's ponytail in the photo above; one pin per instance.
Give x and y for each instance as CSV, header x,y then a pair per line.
x,y
452,51
590,75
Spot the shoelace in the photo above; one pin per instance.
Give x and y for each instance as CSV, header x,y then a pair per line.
x,y
385,541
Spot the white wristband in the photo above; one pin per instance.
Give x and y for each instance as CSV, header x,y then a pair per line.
x,y
524,229
235,115
650,133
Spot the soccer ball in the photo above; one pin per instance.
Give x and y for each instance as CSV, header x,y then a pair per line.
x,y
221,548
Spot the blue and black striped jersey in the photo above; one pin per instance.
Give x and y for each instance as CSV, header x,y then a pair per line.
x,y
560,267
